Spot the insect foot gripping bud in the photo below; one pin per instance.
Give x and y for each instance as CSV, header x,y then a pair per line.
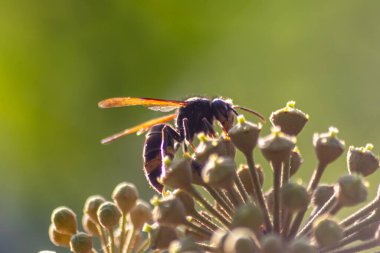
x,y
91,207
109,215
81,243
327,232
362,160
64,220
290,119
125,196
244,135
327,146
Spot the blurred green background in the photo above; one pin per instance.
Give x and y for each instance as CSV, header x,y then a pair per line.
x,y
59,58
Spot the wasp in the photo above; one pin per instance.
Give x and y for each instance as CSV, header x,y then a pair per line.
x,y
192,116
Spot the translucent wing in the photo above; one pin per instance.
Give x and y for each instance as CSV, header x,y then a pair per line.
x,y
141,128
163,108
154,104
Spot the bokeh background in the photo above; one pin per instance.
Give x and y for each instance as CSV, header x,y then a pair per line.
x,y
59,58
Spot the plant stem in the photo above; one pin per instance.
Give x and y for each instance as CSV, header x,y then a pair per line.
x,y
122,234
276,195
259,192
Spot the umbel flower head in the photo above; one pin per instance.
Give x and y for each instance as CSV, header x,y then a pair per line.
x,y
209,204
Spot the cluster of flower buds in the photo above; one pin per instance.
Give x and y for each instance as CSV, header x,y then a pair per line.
x,y
223,208
116,224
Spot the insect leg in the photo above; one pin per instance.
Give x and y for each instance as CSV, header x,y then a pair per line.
x,y
187,134
209,127
168,134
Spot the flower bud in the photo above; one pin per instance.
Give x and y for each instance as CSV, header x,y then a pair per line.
x,y
277,146
91,207
272,243
290,119
219,172
327,146
240,240
109,215
186,199
217,240
58,239
362,160
295,161
301,245
351,190
184,245
140,214
177,173
64,220
322,194
327,232
81,243
245,176
170,212
295,197
89,226
248,216
125,196
244,135
161,236
207,147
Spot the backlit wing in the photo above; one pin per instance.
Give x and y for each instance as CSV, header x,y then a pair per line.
x,y
151,103
141,128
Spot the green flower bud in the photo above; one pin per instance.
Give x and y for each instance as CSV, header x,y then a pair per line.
x,y
64,220
240,240
170,212
295,197
58,239
322,194
244,135
207,147
248,216
277,146
91,207
301,245
219,172
351,190
327,232
109,215
161,236
327,146
177,173
217,240
140,214
290,119
125,196
81,243
272,243
295,161
89,226
362,160
184,245
245,176
186,199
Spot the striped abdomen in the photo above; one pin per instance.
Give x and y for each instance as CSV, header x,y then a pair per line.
x,y
152,154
